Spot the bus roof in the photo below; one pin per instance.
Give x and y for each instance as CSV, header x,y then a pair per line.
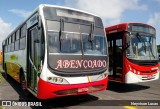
x,y
63,7
39,8
123,27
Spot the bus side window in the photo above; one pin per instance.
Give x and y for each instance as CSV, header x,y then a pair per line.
x,y
23,37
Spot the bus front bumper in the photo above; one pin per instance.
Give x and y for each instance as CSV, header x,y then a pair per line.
x,y
48,90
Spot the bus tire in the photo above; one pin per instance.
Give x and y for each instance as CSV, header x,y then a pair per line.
x,y
5,72
23,83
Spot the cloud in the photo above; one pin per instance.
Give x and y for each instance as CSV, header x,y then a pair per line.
x,y
154,19
5,29
157,1
21,13
110,10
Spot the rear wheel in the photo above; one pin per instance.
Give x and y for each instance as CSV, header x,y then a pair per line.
x,y
23,84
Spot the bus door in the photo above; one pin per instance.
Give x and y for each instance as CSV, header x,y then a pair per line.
x,y
34,58
115,42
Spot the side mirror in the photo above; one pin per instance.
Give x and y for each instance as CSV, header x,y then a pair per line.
x,y
128,39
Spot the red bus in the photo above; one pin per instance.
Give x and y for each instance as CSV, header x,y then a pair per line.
x,y
133,53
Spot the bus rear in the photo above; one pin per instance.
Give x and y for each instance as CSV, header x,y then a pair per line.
x,y
75,59
135,53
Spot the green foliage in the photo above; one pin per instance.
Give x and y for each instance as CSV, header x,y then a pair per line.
x,y
2,107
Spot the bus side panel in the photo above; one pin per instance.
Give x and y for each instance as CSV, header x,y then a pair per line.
x,y
14,62
13,70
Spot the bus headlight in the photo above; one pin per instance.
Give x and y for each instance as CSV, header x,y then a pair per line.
x,y
57,80
105,75
102,76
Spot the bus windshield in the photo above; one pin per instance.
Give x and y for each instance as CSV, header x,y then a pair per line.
x,y
142,47
71,43
74,38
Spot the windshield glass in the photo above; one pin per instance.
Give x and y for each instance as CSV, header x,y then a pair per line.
x,y
97,46
68,43
72,38
142,47
71,43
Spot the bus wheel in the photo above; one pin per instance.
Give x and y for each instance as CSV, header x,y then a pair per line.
x,y
5,72
22,81
23,84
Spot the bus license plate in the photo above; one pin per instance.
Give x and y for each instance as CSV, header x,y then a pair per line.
x,y
83,90
150,77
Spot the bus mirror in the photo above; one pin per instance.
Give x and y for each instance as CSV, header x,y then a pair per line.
x,y
128,38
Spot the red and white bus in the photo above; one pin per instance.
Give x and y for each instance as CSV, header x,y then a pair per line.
x,y
133,53
58,51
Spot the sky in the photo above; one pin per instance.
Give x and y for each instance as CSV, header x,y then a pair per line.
x,y
13,12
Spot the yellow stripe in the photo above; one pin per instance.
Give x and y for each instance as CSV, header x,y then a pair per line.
x,y
88,79
129,107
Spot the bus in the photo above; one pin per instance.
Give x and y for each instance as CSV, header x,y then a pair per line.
x,y
58,51
133,56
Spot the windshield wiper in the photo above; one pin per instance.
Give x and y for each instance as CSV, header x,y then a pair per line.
x,y
61,32
138,37
91,38
151,48
151,51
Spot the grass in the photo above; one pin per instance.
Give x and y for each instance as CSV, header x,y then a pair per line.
x,y
2,107
0,82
